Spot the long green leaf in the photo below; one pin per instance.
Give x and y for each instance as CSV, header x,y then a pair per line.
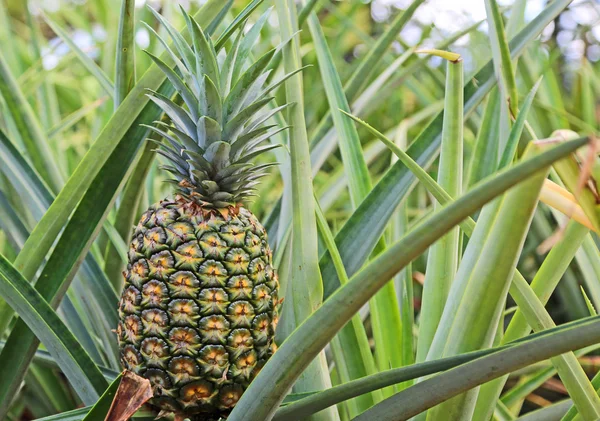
x,y
299,408
102,406
80,414
72,119
443,257
50,387
385,311
24,178
319,400
359,181
363,229
517,394
517,129
478,294
36,194
570,371
526,298
32,185
460,379
6,38
553,412
354,343
543,285
504,71
277,376
573,411
48,108
28,128
128,209
367,66
81,371
235,24
501,50
485,156
125,78
305,291
11,224
43,357
125,62
588,259
404,279
108,161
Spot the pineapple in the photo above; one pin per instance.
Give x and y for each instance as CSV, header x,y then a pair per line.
x,y
199,307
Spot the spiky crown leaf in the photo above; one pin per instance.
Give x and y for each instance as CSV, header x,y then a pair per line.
x,y
220,128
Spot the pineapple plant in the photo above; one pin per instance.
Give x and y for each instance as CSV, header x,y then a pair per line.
x,y
199,307
197,316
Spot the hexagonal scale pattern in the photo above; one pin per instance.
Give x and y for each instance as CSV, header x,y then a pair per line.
x,y
199,308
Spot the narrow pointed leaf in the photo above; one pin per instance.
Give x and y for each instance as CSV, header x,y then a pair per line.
x,y
453,382
273,382
125,62
185,92
357,238
77,365
304,294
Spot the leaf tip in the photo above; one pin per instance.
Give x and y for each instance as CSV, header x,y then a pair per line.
x,y
447,55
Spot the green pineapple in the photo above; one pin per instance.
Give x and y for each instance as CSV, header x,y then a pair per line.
x,y
199,308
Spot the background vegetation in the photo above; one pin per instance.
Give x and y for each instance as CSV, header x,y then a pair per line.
x,y
76,172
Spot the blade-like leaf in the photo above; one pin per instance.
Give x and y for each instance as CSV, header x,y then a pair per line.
x,y
277,376
569,369
361,232
105,165
72,119
485,156
24,178
384,307
102,406
355,348
125,62
443,257
246,44
501,52
453,382
543,285
235,24
478,293
186,94
361,75
574,378
77,365
517,129
306,405
317,401
305,291
28,128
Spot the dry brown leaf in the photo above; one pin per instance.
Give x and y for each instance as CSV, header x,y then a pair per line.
x,y
538,400
419,277
587,164
133,392
555,385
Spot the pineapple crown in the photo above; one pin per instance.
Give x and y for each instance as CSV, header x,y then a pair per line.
x,y
219,128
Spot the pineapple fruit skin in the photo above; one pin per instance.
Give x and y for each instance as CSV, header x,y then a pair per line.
x,y
199,307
